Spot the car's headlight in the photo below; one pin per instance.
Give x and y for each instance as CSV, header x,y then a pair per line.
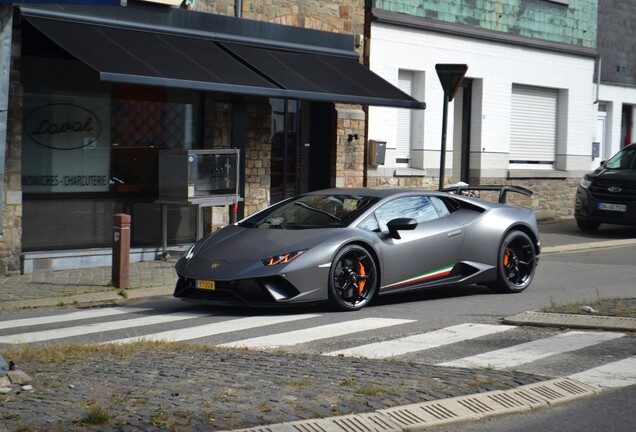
x,y
283,258
585,183
190,252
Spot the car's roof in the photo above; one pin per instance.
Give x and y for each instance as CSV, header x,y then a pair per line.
x,y
379,192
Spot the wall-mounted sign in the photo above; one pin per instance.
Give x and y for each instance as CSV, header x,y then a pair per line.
x,y
66,144
63,126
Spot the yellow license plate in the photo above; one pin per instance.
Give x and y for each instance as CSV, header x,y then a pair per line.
x,y
206,285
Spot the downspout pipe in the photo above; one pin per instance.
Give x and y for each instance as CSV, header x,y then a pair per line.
x,y
598,77
238,8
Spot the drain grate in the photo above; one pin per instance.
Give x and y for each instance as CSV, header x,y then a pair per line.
x,y
444,411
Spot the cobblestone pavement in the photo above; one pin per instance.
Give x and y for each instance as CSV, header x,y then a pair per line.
x,y
206,389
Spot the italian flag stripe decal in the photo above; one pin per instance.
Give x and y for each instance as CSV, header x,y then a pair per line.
x,y
444,271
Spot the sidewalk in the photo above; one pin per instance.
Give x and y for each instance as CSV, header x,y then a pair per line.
x,y
158,388
85,286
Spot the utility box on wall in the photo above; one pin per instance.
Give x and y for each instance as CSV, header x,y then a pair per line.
x,y
193,175
377,151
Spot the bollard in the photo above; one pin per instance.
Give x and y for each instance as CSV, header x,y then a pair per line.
x,y
121,250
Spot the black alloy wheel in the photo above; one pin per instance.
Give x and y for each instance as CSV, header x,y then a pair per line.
x,y
516,263
353,278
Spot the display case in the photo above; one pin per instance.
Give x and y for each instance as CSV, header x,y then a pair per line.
x,y
198,176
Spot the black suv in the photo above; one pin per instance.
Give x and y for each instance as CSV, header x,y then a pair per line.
x,y
608,195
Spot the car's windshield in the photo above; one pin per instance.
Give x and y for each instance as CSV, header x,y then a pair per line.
x,y
311,211
623,160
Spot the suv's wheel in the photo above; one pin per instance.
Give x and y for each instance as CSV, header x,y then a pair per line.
x,y
587,225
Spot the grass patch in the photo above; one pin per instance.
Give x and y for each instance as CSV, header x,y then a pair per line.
x,y
264,407
25,427
95,415
371,390
616,307
159,418
300,384
478,381
64,352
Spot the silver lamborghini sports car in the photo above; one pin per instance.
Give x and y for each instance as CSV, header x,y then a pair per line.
x,y
347,246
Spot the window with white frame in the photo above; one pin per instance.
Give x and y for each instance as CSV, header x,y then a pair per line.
x,y
533,127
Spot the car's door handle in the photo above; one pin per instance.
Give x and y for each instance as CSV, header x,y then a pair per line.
x,y
455,233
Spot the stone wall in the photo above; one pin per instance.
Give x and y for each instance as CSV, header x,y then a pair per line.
x,y
415,182
344,16
257,158
349,160
11,241
552,199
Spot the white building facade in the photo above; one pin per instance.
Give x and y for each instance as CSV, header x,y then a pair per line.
x,y
526,114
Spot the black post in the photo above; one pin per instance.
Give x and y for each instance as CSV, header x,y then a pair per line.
x,y
442,163
451,77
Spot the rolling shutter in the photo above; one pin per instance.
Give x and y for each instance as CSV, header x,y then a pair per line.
x,y
533,125
404,120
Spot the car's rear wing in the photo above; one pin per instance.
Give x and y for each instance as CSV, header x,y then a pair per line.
x,y
503,190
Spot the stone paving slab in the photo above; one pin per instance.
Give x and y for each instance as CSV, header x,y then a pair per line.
x,y
67,287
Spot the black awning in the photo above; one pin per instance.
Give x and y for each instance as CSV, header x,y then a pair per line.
x,y
145,57
323,77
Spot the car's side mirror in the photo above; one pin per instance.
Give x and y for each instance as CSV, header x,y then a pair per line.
x,y
400,224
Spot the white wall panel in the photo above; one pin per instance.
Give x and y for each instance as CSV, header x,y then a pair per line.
x,y
497,66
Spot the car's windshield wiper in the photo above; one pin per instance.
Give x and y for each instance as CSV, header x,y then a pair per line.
x,y
308,207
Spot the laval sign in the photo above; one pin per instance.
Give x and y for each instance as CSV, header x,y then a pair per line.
x,y
63,126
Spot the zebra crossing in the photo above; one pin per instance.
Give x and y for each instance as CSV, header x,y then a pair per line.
x,y
282,331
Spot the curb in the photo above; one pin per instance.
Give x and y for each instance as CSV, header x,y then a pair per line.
x,y
544,319
587,246
87,298
421,416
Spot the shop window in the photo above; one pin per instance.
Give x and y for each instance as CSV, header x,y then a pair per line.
x,y
110,143
144,122
65,144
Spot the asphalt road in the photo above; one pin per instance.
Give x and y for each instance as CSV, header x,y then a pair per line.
x,y
562,278
610,412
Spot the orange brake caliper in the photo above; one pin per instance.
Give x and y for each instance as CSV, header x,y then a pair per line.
x,y
506,258
361,281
